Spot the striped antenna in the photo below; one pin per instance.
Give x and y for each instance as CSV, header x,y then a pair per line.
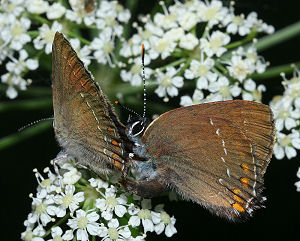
x,y
144,79
34,123
126,108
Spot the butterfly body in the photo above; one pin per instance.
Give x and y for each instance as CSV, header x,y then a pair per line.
x,y
214,154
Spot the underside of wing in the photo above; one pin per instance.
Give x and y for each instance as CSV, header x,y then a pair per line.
x,y
84,121
215,157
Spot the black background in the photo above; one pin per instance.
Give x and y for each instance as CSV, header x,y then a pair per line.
x,y
278,221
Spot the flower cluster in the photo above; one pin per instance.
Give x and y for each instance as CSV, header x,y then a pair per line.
x,y
30,26
93,207
286,109
194,39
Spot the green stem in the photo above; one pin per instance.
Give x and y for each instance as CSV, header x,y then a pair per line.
x,y
15,138
274,71
35,104
83,40
61,221
187,64
278,37
40,19
175,63
236,44
33,33
31,91
85,182
221,67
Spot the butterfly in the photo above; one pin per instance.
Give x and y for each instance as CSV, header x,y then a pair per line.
x,y
214,154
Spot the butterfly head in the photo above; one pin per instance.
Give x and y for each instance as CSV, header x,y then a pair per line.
x,y
136,126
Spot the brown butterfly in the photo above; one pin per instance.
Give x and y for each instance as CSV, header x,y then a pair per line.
x,y
214,154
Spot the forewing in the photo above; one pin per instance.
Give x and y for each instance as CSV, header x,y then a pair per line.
x,y
215,155
84,121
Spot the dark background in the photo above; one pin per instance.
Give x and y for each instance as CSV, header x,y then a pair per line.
x,y
278,221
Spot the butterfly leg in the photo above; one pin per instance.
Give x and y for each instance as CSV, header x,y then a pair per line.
x,y
144,188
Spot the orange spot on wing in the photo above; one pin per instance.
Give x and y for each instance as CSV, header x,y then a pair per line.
x,y
118,164
110,130
236,197
245,167
236,191
115,156
115,143
245,181
238,207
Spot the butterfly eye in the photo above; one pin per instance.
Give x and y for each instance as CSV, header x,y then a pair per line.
x,y
137,128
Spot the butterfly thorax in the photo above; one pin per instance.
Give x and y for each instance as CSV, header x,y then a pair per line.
x,y
141,163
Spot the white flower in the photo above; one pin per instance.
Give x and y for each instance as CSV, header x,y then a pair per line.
x,y
98,183
238,24
85,223
168,83
15,7
286,144
252,93
257,61
72,176
57,232
161,46
83,53
108,14
239,68
213,45
297,184
103,46
175,34
49,184
188,41
38,231
37,6
11,92
132,47
134,74
212,12
195,100
55,11
162,222
46,36
44,208
260,25
202,71
292,86
68,200
187,20
13,80
111,203
284,113
116,232
78,13
16,32
166,21
222,90
18,66
143,215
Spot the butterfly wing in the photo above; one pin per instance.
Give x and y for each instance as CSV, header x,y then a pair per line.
x,y
216,153
84,121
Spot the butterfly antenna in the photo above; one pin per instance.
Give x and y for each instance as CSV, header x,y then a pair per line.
x,y
34,123
144,79
126,108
